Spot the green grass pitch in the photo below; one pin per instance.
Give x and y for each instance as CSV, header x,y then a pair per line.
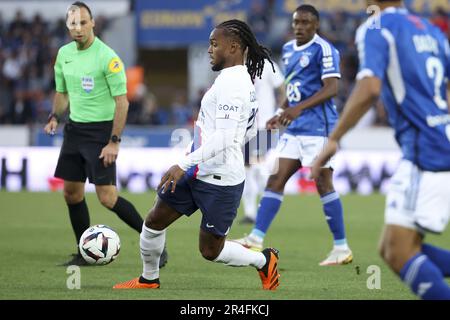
x,y
35,236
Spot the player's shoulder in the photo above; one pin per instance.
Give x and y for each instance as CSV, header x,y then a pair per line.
x,y
436,32
325,46
235,77
389,20
67,48
289,46
109,58
106,51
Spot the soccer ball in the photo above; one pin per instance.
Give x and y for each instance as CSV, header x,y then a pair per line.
x,y
99,245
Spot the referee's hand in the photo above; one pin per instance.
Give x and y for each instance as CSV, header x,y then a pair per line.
x,y
109,153
50,127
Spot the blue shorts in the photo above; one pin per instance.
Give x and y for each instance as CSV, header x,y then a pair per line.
x,y
218,204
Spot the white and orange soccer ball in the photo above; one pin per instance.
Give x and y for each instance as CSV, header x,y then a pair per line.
x,y
99,245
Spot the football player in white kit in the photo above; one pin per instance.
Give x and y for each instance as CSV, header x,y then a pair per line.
x,y
269,88
211,177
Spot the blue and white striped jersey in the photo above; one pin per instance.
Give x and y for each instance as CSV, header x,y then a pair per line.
x,y
412,58
305,67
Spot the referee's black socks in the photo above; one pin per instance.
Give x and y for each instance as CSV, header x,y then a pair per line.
x,y
79,217
128,213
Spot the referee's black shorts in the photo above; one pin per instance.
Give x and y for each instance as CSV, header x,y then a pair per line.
x,y
79,156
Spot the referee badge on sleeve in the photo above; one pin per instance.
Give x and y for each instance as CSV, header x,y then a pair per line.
x,y
87,83
115,65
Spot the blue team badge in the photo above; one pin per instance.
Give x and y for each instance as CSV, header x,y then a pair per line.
x,y
87,83
304,60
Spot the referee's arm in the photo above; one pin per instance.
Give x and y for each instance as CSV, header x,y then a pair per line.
x,y
120,117
60,103
111,150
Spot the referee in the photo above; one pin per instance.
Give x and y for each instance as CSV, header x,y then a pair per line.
x,y
91,78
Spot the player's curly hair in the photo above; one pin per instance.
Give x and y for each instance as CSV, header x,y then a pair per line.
x,y
256,52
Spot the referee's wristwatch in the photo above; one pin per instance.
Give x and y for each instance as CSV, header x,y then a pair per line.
x,y
51,116
115,138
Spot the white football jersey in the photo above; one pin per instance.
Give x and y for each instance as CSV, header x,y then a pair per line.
x,y
265,92
229,104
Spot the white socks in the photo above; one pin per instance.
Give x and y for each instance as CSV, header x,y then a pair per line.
x,y
235,255
152,245
343,246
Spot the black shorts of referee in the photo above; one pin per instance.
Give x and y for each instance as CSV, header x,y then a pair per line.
x,y
79,156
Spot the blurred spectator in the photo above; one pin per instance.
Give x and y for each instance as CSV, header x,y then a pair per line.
x,y
28,49
136,91
12,67
181,112
150,114
259,19
339,27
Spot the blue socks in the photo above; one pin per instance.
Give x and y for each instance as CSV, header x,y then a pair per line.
x,y
270,205
425,279
440,257
332,208
268,209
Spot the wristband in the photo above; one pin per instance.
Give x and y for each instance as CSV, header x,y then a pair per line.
x,y
53,115
279,112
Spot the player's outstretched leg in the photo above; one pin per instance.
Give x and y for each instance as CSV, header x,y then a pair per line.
x,y
266,262
269,272
440,257
151,247
152,241
125,210
332,207
401,250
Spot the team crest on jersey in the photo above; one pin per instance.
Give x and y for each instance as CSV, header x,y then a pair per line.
x,y
87,83
115,65
304,61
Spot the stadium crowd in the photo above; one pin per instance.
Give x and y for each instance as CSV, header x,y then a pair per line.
x,y
28,48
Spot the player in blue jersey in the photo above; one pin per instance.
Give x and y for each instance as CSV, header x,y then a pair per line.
x,y
311,76
407,60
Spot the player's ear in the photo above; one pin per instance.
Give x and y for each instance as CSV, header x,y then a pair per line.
x,y
93,22
317,23
234,46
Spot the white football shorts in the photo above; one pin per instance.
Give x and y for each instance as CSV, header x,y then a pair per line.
x,y
417,199
304,148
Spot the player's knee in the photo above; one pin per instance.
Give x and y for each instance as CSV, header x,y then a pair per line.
x,y
73,196
381,250
324,185
209,253
275,184
108,200
154,225
392,256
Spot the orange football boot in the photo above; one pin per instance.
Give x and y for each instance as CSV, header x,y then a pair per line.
x,y
136,284
269,273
